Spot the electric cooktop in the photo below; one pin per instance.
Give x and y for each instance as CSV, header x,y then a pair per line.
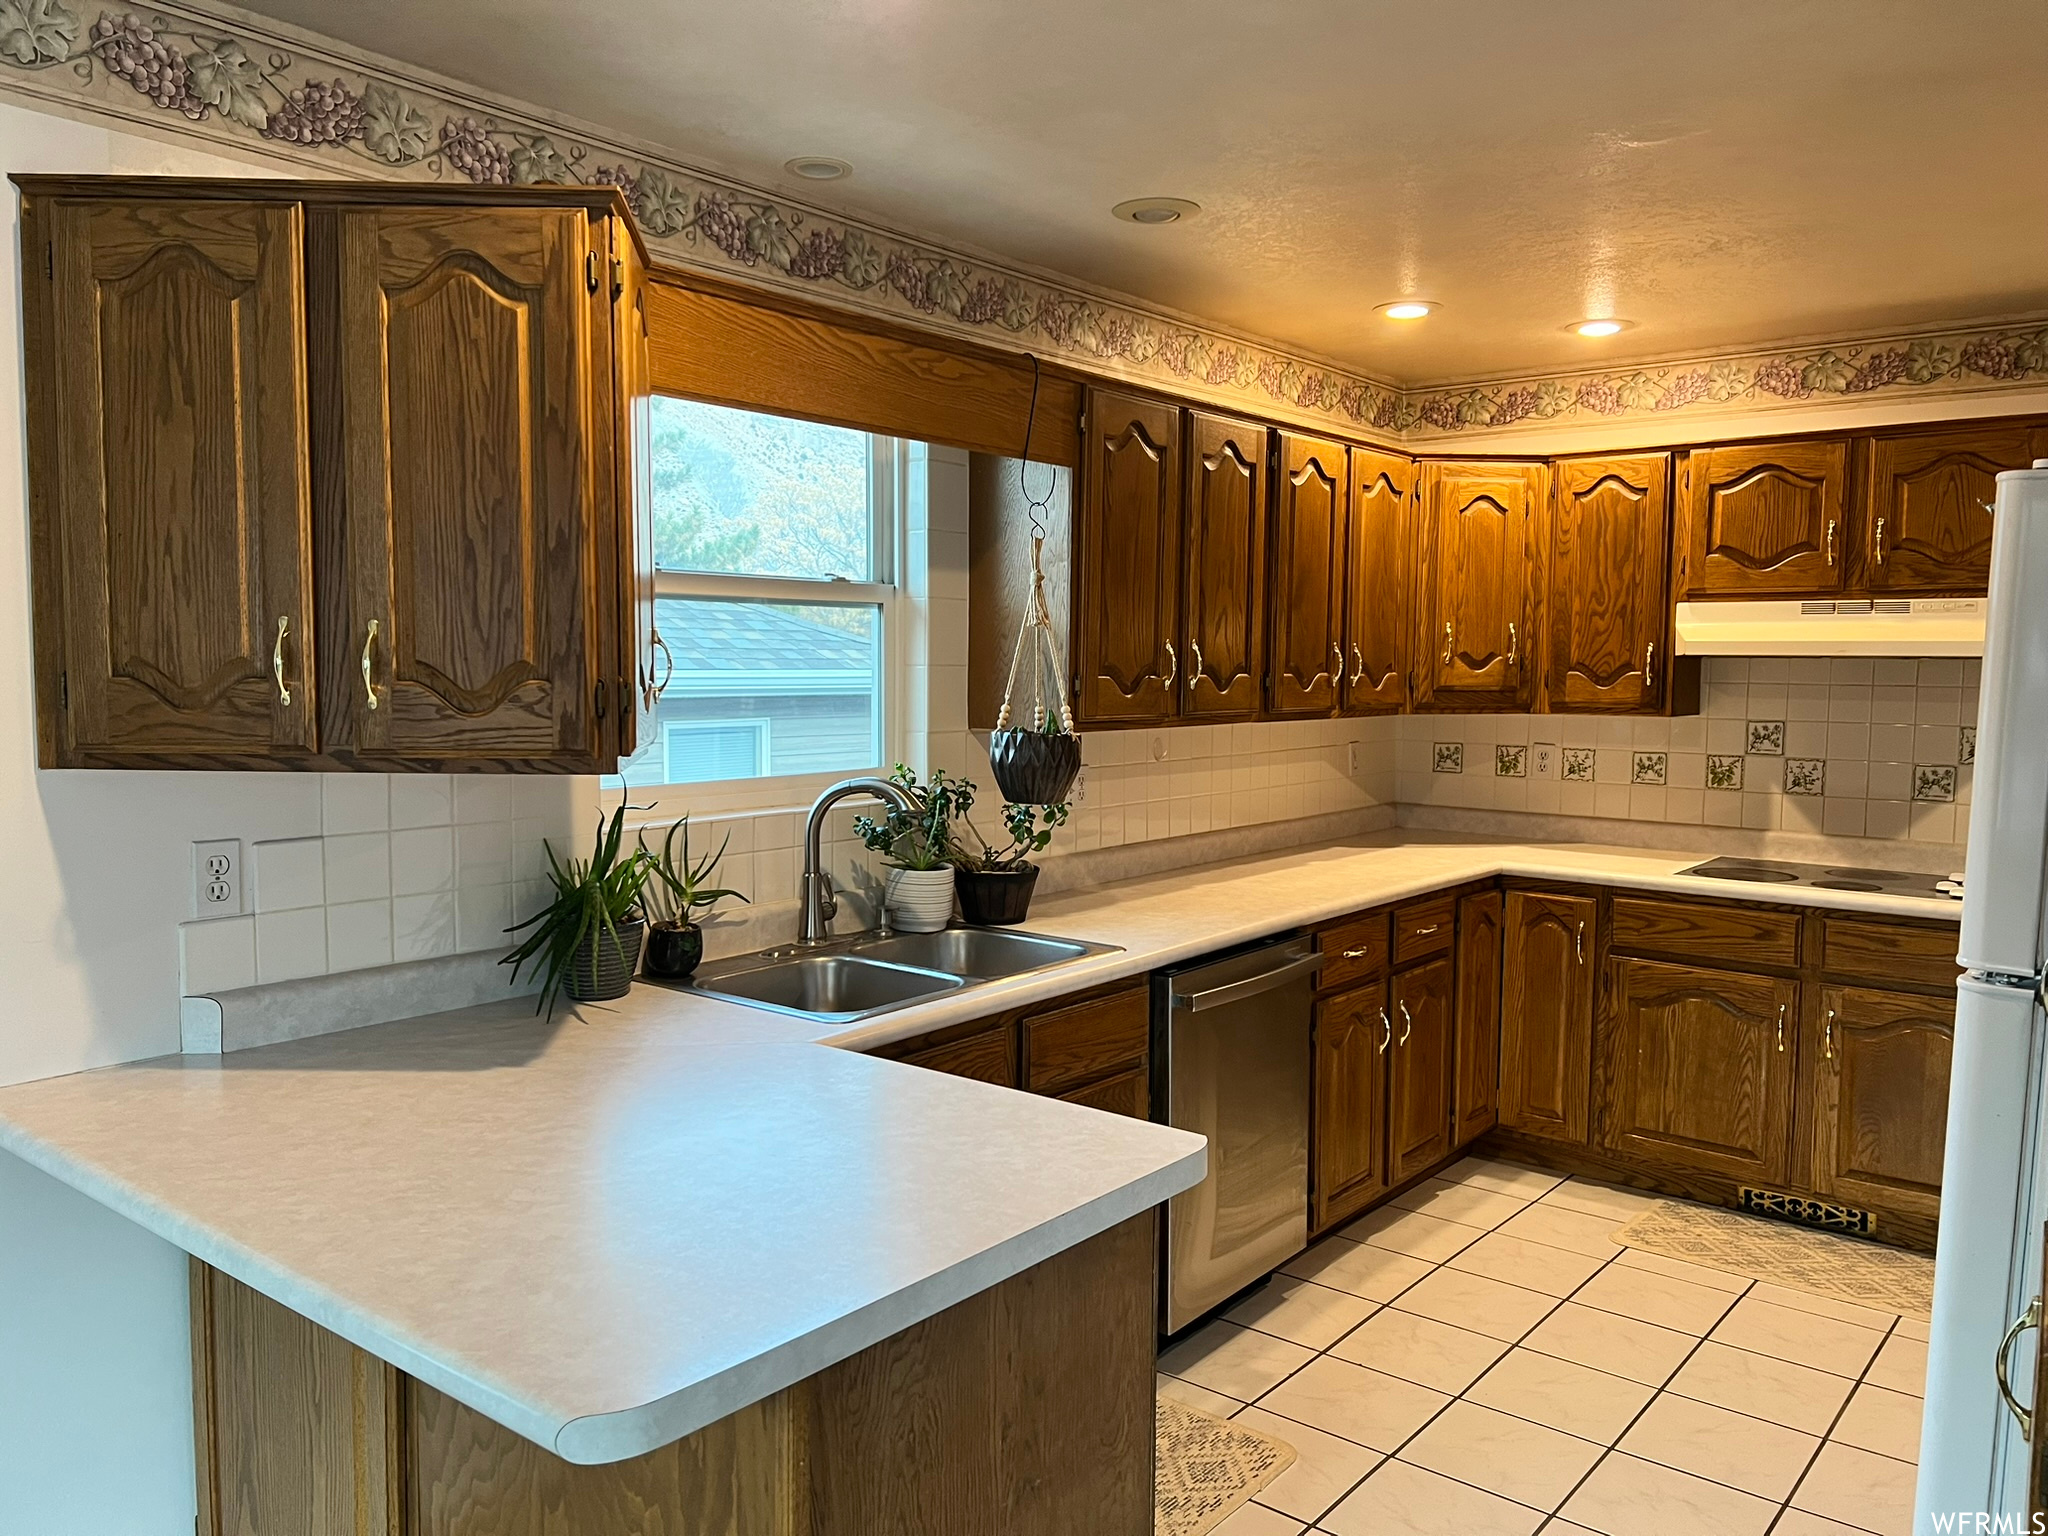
x,y
1830,877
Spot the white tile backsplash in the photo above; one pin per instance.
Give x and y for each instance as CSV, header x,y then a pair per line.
x,y
291,944
422,860
358,935
288,874
421,800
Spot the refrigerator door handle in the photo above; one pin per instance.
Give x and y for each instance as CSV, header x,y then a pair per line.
x,y
2031,1318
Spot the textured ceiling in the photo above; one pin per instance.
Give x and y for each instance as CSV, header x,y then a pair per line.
x,y
1726,173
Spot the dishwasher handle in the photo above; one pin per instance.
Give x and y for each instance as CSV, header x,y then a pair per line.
x,y
1251,986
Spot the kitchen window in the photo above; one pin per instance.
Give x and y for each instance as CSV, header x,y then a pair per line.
x,y
775,545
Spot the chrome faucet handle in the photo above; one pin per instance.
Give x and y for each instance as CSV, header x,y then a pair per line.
x,y
828,898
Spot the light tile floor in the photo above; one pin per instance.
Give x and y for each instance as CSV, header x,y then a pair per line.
x,y
1478,1358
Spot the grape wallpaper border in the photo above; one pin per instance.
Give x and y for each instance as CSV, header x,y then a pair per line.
x,y
220,75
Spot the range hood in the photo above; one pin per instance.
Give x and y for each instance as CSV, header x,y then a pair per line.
x,y
1861,626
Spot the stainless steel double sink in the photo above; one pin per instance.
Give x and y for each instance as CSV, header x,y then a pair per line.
x,y
843,981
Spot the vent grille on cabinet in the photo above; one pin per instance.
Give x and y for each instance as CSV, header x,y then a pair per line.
x,y
1824,1214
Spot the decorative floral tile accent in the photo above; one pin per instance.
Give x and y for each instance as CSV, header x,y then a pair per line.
x,y
1649,767
1578,765
1932,782
1968,751
1805,775
1510,762
1767,738
1724,772
1450,757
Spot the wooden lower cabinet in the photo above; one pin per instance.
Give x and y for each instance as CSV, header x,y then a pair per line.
x,y
1093,1048
1880,1097
1475,1098
1026,1409
1354,1036
1546,1039
1696,1069
1422,1064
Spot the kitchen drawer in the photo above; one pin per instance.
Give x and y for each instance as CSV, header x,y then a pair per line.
x,y
1354,950
1128,1093
1887,952
1424,929
989,1055
1086,1041
1743,937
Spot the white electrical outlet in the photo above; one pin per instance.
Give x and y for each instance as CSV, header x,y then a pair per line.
x,y
1351,759
1546,760
217,878
1081,787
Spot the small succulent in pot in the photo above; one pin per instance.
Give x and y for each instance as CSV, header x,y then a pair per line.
x,y
587,938
996,884
679,887
919,847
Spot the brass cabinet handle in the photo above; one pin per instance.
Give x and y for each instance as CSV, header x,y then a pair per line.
x,y
1386,1031
1423,933
1514,643
1447,642
2031,1318
1827,1037
1649,666
668,671
1580,945
1880,541
1831,541
1358,954
1337,655
1195,674
369,645
284,694
1357,664
1781,1026
1172,666
1407,1023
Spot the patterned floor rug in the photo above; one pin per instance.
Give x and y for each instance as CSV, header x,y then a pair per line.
x,y
1845,1268
1208,1468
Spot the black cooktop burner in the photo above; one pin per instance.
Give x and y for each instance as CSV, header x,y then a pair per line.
x,y
1826,877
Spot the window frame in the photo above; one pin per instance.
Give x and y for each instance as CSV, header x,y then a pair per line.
x,y
884,590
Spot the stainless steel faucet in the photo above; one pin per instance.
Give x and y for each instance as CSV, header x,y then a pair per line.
x,y
815,924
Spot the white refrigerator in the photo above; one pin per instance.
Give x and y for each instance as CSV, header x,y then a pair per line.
x,y
1994,1197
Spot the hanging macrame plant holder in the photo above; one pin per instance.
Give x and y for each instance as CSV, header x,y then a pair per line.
x,y
1033,749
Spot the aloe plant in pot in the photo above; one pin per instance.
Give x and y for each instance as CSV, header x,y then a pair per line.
x,y
678,887
996,884
919,849
587,938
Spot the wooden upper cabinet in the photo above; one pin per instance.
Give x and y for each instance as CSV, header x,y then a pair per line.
x,y
1476,1096
1354,1035
1380,569
1127,631
1305,659
1609,586
1225,582
1880,1101
1926,523
170,505
1766,519
1546,1037
1474,646
472,502
1696,1069
1420,1076
645,667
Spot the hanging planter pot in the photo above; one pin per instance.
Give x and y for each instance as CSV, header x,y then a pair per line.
x,y
1034,767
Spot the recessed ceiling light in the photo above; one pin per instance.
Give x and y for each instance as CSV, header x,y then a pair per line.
x,y
1607,327
817,168
1156,210
1408,309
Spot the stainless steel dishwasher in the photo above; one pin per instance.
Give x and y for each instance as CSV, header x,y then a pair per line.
x,y
1231,1060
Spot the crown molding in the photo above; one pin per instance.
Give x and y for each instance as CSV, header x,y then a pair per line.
x,y
253,86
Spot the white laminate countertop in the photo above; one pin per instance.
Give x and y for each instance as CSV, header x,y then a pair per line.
x,y
611,1230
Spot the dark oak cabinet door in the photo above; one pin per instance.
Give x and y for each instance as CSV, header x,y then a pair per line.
x,y
1474,644
1304,652
1380,567
1546,1034
1696,1069
1880,1101
1926,526
473,500
1765,519
1424,1061
1127,585
645,669
1225,580
172,511
1476,1100
1354,1036
1609,591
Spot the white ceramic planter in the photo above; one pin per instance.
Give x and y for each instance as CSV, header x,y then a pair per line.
x,y
920,900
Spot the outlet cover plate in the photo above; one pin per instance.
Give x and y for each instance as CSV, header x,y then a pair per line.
x,y
217,878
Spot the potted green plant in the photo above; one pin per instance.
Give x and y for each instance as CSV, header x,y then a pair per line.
x,y
587,938
678,887
995,885
918,846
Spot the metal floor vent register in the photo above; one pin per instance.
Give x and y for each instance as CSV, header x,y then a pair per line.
x,y
1825,1214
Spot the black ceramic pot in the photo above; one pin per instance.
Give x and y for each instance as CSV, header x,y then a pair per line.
x,y
602,966
673,952
992,897
1033,768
